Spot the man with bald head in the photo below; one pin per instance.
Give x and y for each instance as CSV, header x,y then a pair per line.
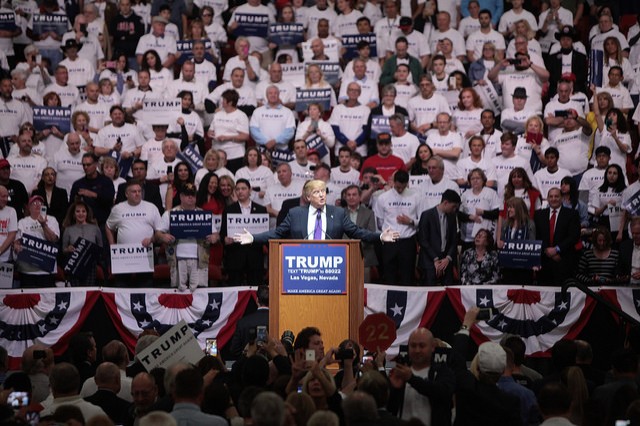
x,y
107,380
421,388
144,392
287,90
114,352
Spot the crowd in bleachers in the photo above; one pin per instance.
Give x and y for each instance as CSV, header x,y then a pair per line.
x,y
525,110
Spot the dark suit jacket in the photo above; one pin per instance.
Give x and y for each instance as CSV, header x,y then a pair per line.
x,y
430,240
578,67
624,261
367,220
151,194
438,387
287,205
567,231
241,336
116,408
235,255
295,226
59,202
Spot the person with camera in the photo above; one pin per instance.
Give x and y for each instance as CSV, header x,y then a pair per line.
x,y
421,388
244,328
520,75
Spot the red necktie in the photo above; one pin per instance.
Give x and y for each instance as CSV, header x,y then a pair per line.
x,y
552,226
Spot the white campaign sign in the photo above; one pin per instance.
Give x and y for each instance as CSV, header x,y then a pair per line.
x,y
130,258
178,344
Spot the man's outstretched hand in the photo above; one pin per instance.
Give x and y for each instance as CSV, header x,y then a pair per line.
x,y
243,237
389,235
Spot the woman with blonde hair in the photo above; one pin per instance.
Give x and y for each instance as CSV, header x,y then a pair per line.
x,y
110,168
613,57
314,79
517,225
532,144
523,28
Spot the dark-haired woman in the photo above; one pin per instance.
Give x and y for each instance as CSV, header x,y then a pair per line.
x,y
605,203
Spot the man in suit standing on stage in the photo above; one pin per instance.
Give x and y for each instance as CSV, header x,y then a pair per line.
x,y
260,317
437,236
318,221
559,229
239,261
363,217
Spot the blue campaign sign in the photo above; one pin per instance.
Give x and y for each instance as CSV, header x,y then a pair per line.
x,y
37,252
596,60
520,254
281,156
350,44
43,23
286,34
380,124
316,142
7,21
190,156
82,259
314,269
47,117
252,25
305,97
194,224
633,204
331,71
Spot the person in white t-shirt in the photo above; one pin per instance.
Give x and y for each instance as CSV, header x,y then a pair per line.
x,y
344,175
556,108
510,18
229,129
573,144
44,227
514,119
68,93
486,34
403,143
253,7
8,225
81,71
98,111
284,189
301,167
68,163
348,121
133,222
475,160
27,167
446,144
508,161
163,44
119,136
550,176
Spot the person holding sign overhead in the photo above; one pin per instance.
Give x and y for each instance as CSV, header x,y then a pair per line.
x,y
187,257
239,261
42,227
317,221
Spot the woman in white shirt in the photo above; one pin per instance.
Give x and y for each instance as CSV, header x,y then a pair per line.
x,y
258,175
160,76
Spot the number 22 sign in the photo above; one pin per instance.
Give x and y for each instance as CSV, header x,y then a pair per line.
x,y
377,332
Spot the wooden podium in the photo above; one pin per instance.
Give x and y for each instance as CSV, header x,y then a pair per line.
x,y
336,315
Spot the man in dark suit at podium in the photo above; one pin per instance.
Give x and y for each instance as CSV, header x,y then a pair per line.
x,y
242,336
318,221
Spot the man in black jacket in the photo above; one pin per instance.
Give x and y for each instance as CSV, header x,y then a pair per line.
x,y
242,336
150,192
423,390
108,381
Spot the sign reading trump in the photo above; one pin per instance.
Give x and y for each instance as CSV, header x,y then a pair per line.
x,y
314,269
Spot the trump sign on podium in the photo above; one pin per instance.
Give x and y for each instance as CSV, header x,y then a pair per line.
x,y
314,269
